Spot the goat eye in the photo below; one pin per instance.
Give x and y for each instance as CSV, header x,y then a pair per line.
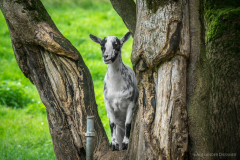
x,y
115,45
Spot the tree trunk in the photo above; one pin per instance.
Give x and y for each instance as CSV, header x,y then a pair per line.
x,y
160,52
61,77
214,98
186,59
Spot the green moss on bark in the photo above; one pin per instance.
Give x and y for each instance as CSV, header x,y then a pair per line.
x,y
218,74
214,106
222,17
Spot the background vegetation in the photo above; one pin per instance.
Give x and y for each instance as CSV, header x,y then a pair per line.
x,y
24,132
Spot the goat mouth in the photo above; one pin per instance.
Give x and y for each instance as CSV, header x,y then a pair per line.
x,y
107,61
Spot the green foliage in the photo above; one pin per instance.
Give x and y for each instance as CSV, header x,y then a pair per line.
x,y
14,94
9,69
35,108
24,132
24,135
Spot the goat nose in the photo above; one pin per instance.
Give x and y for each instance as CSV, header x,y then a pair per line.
x,y
105,56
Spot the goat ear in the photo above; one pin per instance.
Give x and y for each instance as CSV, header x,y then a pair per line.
x,y
125,37
95,39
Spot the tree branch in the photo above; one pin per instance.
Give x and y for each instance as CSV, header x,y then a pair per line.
x,y
126,9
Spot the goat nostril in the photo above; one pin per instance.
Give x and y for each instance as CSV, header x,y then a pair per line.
x,y
106,56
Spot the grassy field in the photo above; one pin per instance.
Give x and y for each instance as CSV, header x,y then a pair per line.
x,y
24,132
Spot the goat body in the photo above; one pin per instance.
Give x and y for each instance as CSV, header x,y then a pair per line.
x,y
120,90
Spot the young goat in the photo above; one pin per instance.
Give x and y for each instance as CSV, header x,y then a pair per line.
x,y
120,90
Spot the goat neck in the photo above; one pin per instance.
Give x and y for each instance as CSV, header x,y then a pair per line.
x,y
115,67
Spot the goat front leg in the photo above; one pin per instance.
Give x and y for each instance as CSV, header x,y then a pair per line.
x,y
114,142
112,121
128,126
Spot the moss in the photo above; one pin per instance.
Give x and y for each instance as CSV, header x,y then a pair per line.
x,y
222,17
218,72
217,78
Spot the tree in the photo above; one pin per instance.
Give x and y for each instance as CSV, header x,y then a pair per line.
x,y
185,56
61,77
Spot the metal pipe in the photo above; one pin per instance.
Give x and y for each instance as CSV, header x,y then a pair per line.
x,y
90,137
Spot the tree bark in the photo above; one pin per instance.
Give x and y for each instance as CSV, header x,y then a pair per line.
x,y
213,104
196,75
127,11
186,59
60,75
160,52
197,112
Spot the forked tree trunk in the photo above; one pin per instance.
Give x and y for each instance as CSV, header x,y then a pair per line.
x,y
189,92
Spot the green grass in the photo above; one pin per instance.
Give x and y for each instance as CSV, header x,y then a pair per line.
x,y
24,135
24,132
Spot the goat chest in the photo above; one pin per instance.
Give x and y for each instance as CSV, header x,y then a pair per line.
x,y
118,93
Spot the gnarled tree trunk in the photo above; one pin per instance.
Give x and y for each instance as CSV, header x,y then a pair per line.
x,y
185,58
160,60
187,68
61,77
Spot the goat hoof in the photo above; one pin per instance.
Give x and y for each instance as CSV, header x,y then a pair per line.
x,y
124,146
115,147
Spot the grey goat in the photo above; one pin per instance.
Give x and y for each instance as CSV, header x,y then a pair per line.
x,y
120,90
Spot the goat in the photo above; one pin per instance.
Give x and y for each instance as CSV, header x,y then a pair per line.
x,y
120,90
